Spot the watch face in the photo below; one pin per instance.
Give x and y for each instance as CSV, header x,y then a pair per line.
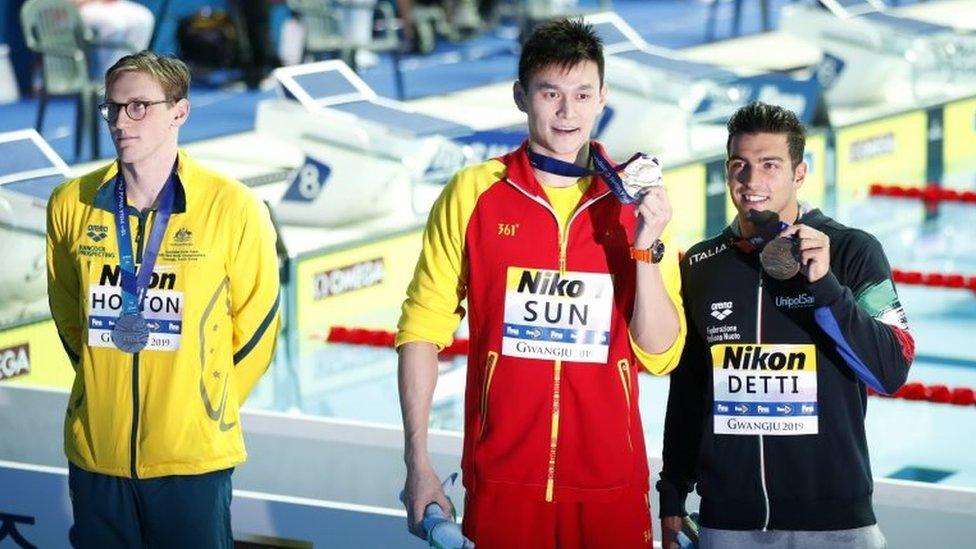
x,y
657,251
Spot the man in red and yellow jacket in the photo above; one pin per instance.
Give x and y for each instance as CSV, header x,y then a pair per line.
x,y
567,290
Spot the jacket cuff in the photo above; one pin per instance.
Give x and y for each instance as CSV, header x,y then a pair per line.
x,y
826,291
672,500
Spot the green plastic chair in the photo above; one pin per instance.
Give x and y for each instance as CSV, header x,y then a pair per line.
x,y
54,30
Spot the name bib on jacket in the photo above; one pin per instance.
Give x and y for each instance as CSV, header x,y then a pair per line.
x,y
557,316
765,389
162,307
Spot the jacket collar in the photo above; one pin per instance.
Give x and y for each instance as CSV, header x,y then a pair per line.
x,y
732,234
104,194
520,173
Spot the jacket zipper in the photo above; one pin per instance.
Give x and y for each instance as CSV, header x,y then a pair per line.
x,y
134,435
762,453
485,387
564,233
623,366
558,365
554,430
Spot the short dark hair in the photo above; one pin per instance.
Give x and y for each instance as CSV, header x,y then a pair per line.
x,y
562,42
759,117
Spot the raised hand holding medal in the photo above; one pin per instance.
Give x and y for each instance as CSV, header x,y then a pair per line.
x,y
131,332
779,255
641,175
813,250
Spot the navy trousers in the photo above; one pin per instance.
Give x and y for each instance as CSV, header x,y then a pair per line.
x,y
185,511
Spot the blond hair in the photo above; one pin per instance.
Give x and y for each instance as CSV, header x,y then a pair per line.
x,y
171,73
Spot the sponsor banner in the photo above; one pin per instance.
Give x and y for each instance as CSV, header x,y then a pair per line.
x,y
551,315
959,143
765,389
46,362
362,286
348,278
14,361
889,150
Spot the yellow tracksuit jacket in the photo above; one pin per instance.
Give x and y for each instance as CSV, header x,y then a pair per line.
x,y
212,308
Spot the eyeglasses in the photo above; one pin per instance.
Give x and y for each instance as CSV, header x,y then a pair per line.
x,y
135,110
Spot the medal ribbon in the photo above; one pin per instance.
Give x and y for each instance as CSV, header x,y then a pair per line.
x,y
134,285
604,169
764,234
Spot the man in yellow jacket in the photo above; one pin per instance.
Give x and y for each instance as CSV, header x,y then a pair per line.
x,y
163,284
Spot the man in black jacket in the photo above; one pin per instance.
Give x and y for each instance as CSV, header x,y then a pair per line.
x,y
766,408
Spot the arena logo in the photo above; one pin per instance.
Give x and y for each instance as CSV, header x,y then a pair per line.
x,y
15,361
97,232
721,310
872,147
348,278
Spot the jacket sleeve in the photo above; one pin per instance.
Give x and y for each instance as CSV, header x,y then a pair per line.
x,y
683,424
864,317
432,309
661,363
63,286
254,296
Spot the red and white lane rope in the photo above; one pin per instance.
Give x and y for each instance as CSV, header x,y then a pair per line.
x,y
929,194
939,394
934,280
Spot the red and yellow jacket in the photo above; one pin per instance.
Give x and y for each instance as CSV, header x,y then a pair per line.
x,y
551,398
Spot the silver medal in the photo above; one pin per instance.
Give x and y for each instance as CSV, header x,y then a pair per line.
x,y
642,174
131,333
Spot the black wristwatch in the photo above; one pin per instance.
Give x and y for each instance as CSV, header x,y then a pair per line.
x,y
653,254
